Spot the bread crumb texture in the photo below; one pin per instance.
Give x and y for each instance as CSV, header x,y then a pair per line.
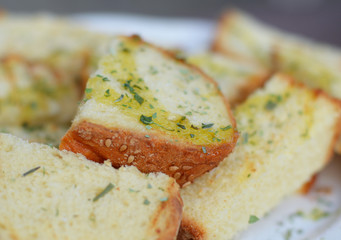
x,y
51,194
287,135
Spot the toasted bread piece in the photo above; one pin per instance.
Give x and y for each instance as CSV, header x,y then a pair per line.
x,y
287,134
315,64
143,107
44,64
236,78
51,194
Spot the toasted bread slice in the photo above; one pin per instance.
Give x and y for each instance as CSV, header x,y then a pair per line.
x,y
43,72
315,64
287,134
236,78
143,107
51,194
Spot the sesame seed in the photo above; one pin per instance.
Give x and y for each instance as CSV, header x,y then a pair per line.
x,y
177,175
123,148
131,159
187,168
108,142
186,184
173,168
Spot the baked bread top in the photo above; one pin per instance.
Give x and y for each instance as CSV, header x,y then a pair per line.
x,y
287,135
315,64
44,63
151,110
52,194
236,78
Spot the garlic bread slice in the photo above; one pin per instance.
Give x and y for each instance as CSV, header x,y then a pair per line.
x,y
287,135
144,107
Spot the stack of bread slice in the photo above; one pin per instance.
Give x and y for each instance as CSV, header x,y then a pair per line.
x,y
51,194
287,135
315,64
143,107
146,108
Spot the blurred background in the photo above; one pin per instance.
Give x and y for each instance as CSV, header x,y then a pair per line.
x,y
318,19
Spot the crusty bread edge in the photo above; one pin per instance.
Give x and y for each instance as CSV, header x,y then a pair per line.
x,y
70,142
191,230
173,215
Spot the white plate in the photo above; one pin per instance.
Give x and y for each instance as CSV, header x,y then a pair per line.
x,y
314,216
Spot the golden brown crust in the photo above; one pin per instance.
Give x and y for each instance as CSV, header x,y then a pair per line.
x,y
182,160
173,216
306,187
189,230
159,153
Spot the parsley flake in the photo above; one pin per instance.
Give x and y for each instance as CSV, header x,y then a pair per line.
x,y
107,189
253,219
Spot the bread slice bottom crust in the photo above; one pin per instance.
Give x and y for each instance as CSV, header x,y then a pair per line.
x,y
148,154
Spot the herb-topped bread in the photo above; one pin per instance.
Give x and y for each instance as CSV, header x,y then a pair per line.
x,y
236,78
44,64
51,194
287,135
315,64
143,107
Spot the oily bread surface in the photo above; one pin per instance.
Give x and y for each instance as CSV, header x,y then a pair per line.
x,y
102,131
287,135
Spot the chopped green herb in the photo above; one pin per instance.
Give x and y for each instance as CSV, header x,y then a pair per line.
x,y
226,128
204,150
270,105
208,125
138,98
146,202
30,171
253,219
149,127
154,115
180,126
119,99
151,106
147,136
195,128
164,199
192,135
149,186
107,93
107,189
88,90
57,212
113,71
146,120
188,113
